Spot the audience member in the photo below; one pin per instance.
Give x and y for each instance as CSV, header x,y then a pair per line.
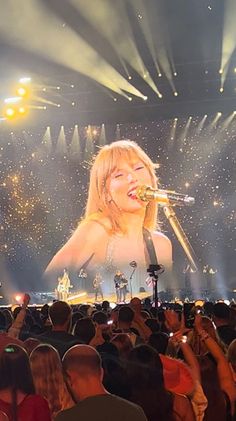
x,y
48,378
123,344
84,330
231,354
159,341
147,388
84,372
221,318
100,317
17,393
59,337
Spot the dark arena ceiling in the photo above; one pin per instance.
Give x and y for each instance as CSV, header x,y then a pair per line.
x,y
165,46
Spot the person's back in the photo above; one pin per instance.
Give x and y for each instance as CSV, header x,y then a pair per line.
x,y
29,408
83,368
103,408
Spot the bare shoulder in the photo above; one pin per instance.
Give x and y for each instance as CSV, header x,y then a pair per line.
x,y
100,228
159,236
88,241
163,247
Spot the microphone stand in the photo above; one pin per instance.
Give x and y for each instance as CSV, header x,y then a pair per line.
x,y
181,236
154,271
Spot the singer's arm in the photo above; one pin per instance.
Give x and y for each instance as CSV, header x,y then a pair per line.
x,y
163,248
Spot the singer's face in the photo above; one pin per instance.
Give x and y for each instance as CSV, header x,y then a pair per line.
x,y
123,182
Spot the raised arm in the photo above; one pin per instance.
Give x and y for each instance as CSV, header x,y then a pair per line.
x,y
223,368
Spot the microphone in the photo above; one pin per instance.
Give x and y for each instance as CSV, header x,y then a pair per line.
x,y
163,197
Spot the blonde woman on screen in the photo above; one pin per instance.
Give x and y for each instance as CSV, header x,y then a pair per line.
x,y
117,225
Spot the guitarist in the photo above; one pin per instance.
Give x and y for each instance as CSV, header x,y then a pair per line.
x,y
117,282
123,288
64,285
97,282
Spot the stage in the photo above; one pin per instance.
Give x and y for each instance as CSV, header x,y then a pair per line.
x,y
88,298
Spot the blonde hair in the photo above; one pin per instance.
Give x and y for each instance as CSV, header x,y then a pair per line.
x,y
48,379
105,163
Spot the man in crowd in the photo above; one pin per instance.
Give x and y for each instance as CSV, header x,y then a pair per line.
x,y
60,315
83,368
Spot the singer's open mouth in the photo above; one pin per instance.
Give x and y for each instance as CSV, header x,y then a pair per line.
x,y
132,193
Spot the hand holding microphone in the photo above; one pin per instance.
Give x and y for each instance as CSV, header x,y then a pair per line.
x,y
164,197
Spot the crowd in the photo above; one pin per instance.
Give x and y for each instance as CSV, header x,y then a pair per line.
x,y
135,362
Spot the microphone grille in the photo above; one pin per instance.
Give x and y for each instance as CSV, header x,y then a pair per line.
x,y
141,193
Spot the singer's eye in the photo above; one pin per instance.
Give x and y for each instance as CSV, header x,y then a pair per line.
x,y
118,175
140,167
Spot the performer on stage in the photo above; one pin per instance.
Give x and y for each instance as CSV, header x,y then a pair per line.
x,y
123,288
63,286
117,281
59,289
97,284
118,227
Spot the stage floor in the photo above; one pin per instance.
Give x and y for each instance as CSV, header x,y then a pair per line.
x,y
82,298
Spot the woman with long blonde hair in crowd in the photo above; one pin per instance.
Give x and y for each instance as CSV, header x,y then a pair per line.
x,y
118,226
48,378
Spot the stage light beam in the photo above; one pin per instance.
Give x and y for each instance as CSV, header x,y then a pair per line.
x,y
75,146
229,38
40,31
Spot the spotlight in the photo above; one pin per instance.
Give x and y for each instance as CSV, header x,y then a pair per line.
x,y
145,98
10,112
159,75
176,93
220,71
73,104
175,73
160,95
95,132
58,105
234,113
58,88
18,298
22,110
130,98
72,86
221,89
21,91
176,119
219,113
115,99
235,70
129,77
